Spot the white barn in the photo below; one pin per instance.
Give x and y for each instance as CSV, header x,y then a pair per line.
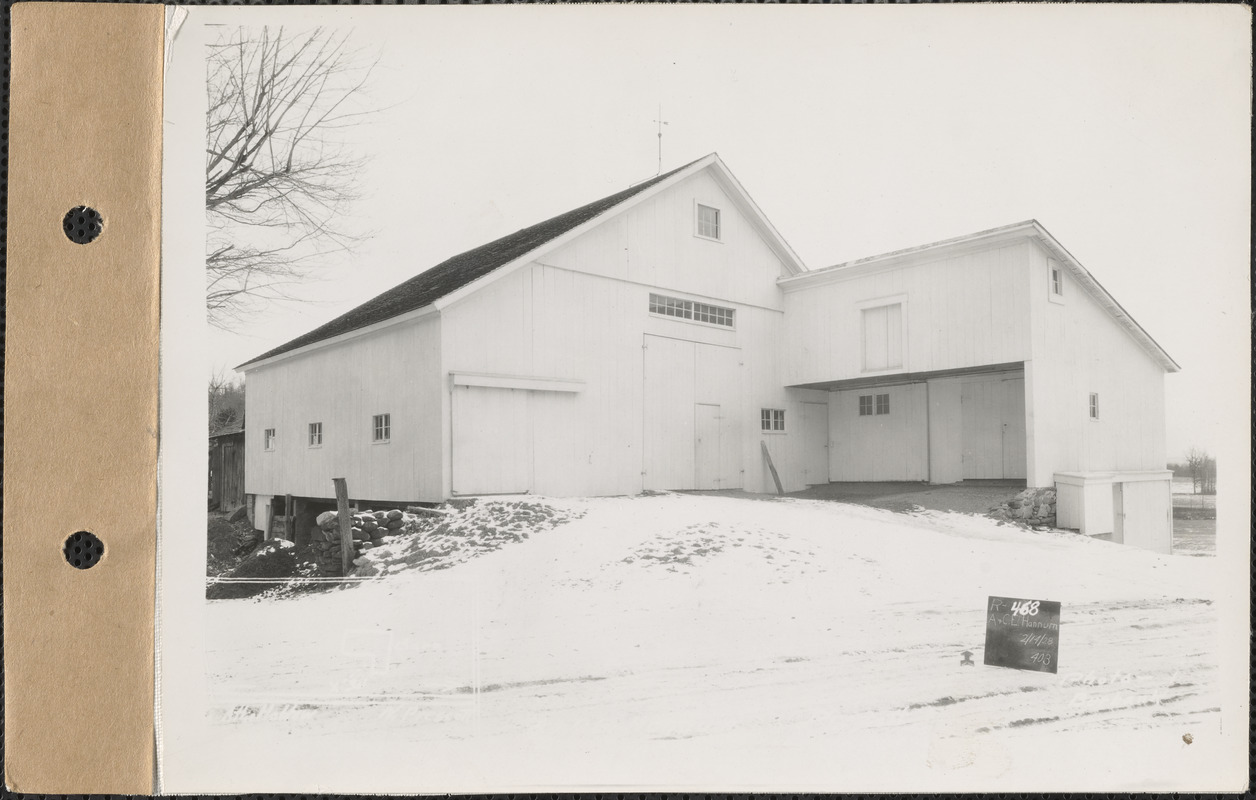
x,y
666,337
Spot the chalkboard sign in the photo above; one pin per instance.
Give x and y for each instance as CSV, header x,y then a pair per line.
x,y
1023,634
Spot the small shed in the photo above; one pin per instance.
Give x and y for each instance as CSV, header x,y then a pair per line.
x,y
226,470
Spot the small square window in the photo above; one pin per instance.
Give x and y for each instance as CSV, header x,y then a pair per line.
x,y
708,222
381,426
883,404
316,434
865,405
269,438
1094,405
772,419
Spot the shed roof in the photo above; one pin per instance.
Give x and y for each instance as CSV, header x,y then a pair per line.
x,y
452,274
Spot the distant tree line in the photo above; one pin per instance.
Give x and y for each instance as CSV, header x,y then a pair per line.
x,y
1201,468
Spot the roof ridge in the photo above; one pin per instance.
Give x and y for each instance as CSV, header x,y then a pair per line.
x,y
457,271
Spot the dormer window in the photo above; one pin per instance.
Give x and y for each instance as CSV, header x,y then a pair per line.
x,y
708,222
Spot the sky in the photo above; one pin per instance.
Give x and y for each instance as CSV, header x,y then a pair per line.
x,y
859,130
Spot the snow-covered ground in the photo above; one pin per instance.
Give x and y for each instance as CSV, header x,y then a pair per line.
x,y
727,642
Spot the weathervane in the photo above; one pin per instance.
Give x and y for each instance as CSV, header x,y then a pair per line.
x,y
661,123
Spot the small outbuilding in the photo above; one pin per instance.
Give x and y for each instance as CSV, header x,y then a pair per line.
x,y
226,470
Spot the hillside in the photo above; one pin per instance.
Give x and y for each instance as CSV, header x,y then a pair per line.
x,y
748,634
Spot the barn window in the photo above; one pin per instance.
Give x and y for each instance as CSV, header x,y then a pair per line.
x,y
688,309
708,222
381,427
316,434
865,405
883,404
883,337
1057,280
269,438
1094,405
772,419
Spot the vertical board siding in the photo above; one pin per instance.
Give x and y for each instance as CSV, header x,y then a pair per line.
x,y
993,426
890,447
963,311
655,244
1078,348
394,371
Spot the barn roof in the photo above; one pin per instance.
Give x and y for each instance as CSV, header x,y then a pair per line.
x,y
448,276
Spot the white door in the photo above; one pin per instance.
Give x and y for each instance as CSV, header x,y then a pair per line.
x,y
492,441
706,446
815,443
993,420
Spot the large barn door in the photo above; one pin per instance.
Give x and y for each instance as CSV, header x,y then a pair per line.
x,y
706,446
492,441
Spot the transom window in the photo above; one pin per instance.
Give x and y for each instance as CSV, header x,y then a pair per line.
x,y
316,434
269,438
772,419
1094,405
708,222
688,309
381,427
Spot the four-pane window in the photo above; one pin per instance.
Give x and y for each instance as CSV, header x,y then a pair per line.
x,y
269,438
316,434
381,427
772,419
1094,405
708,222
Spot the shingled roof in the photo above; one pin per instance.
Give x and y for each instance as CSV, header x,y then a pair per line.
x,y
429,286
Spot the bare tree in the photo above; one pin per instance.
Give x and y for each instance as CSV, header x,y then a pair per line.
x,y
226,403
278,177
1203,469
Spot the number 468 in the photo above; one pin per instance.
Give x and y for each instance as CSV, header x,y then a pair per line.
x,y
1026,608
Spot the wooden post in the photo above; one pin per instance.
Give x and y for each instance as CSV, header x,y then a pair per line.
x,y
289,519
346,525
772,468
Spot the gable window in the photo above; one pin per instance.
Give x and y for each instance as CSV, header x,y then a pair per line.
x,y
883,337
1094,405
883,404
268,437
772,419
381,428
1056,273
865,405
688,309
708,222
316,434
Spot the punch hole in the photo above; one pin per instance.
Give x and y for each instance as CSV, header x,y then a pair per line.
x,y
83,550
82,224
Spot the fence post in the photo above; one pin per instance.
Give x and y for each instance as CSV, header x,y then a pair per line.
x,y
346,525
289,519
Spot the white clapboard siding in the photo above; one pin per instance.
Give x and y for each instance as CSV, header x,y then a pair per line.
x,y
394,371
961,311
1078,349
